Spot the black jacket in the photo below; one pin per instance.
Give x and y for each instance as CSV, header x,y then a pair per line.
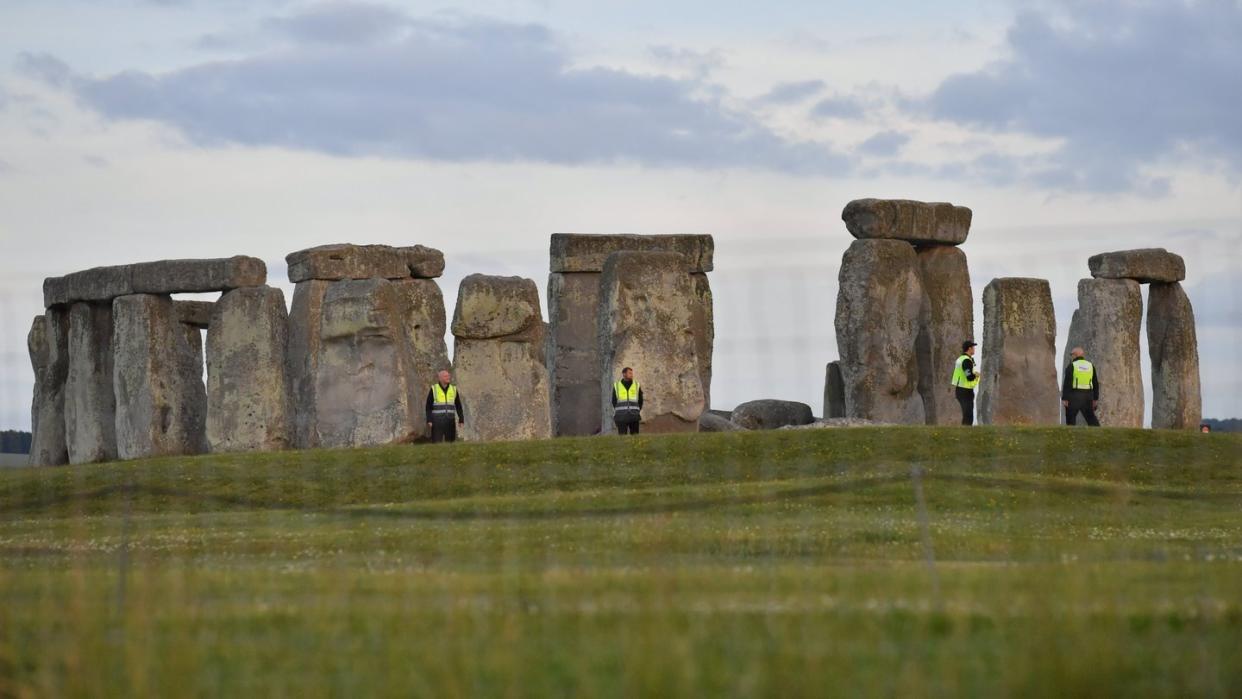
x,y
431,400
1068,381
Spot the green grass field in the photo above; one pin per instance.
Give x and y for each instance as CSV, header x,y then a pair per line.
x,y
1047,562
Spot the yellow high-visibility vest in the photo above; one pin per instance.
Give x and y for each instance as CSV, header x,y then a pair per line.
x,y
1084,374
627,398
443,401
959,374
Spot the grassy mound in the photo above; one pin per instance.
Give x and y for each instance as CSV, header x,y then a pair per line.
x,y
874,561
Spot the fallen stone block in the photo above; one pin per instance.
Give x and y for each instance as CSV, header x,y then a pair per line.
x,y
770,414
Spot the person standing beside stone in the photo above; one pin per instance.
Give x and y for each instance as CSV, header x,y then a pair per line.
x,y
444,412
1080,389
627,403
965,379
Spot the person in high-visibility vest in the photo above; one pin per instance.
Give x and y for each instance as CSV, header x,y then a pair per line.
x,y
444,411
1080,389
965,378
627,403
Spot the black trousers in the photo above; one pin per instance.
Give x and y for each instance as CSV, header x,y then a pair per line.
x,y
966,399
628,426
443,430
1080,402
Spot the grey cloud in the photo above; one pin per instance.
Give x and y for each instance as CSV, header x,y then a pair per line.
x,y
838,107
1123,85
5,167
342,22
464,89
45,68
884,144
792,93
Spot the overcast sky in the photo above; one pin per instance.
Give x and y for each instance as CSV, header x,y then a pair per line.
x,y
148,129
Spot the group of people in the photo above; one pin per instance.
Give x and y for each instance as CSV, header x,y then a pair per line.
x,y
445,414
1080,386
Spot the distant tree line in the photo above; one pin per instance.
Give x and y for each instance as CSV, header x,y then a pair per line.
x,y
14,442
1233,424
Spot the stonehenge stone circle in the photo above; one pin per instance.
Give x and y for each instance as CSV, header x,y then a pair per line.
x,y
877,323
1171,338
1107,326
576,264
770,414
248,406
385,305
48,344
498,357
90,398
834,391
645,315
912,221
161,402
1020,384
946,319
1144,266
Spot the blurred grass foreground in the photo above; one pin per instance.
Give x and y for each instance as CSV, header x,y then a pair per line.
x,y
874,561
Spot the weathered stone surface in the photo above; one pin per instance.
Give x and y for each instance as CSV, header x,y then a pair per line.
x,y
646,304
1106,325
877,322
363,372
495,307
573,301
834,391
703,326
571,252
302,358
1019,381
90,403
248,405
48,344
161,402
711,422
346,261
498,358
770,414
1144,266
423,318
904,219
96,284
945,321
194,313
424,262
1171,338
192,276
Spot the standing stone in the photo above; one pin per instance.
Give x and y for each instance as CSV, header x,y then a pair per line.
x,y
247,391
1106,325
48,344
302,358
1177,403
1019,383
90,402
645,316
425,325
834,391
877,322
363,370
499,359
903,219
945,321
576,262
161,403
